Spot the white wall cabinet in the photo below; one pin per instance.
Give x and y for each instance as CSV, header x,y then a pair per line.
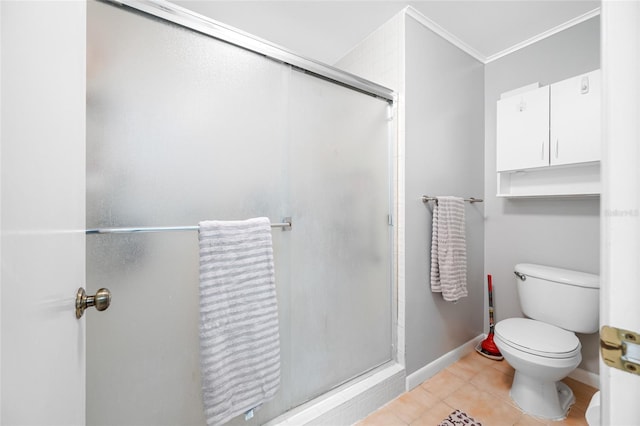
x,y
523,130
575,120
549,139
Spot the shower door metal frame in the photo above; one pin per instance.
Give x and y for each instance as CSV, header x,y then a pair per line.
x,y
186,18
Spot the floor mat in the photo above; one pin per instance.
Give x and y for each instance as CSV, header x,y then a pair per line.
x,y
458,418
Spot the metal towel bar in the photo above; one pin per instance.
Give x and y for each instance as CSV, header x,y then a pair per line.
x,y
426,198
285,225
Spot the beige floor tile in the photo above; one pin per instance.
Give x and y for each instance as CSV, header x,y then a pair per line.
x,y
494,382
576,417
481,360
483,406
426,398
434,415
525,420
467,367
504,367
382,417
478,386
443,384
411,405
581,391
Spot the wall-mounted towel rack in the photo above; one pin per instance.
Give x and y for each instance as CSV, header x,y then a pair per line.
x,y
426,198
285,225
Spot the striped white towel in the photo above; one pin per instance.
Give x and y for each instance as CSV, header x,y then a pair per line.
x,y
449,249
239,337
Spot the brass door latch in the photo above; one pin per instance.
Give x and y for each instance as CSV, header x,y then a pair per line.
x,y
620,349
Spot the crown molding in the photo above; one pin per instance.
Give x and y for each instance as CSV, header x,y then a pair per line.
x,y
433,26
570,23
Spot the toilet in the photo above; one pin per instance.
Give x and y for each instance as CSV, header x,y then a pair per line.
x,y
543,348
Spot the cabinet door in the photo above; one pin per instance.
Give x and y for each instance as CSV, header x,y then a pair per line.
x,y
575,119
523,130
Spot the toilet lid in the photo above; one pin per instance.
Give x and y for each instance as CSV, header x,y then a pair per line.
x,y
538,338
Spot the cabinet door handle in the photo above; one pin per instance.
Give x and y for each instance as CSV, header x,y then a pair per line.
x,y
542,151
557,146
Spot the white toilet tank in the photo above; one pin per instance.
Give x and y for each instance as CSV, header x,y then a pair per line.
x,y
565,298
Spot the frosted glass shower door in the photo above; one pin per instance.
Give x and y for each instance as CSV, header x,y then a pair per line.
x,y
180,128
340,293
183,128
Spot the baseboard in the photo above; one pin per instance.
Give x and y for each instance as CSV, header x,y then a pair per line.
x,y
433,368
586,377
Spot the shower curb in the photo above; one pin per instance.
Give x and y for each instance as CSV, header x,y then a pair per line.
x,y
345,406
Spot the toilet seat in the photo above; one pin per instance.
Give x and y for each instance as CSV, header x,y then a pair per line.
x,y
538,338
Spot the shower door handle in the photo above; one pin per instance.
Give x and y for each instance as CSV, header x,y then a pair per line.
x,y
101,300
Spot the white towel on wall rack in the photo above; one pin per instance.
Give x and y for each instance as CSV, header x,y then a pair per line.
x,y
449,249
239,334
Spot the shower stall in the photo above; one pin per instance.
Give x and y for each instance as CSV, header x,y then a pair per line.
x,y
186,121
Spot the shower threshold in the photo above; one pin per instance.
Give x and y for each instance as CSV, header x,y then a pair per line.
x,y
351,401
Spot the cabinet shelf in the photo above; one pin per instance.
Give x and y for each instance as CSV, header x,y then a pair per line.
x,y
576,180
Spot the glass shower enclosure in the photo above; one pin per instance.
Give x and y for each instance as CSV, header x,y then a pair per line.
x,y
183,127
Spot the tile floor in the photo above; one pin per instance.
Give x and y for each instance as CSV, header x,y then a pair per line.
x,y
480,387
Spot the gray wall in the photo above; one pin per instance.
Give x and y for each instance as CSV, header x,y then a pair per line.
x,y
557,232
444,151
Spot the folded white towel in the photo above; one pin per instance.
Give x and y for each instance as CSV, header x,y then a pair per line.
x,y
449,249
239,335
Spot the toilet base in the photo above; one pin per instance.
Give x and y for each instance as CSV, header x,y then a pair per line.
x,y
548,400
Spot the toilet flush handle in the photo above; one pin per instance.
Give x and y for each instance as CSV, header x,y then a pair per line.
x,y
520,275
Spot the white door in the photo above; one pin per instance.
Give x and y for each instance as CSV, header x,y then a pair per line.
x,y
620,241
42,128
576,119
523,130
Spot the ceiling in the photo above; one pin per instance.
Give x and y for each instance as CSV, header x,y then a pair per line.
x,y
327,30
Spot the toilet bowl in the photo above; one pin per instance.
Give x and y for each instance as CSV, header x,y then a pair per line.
x,y
541,355
543,348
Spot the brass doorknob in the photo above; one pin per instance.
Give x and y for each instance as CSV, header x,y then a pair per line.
x,y
101,300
